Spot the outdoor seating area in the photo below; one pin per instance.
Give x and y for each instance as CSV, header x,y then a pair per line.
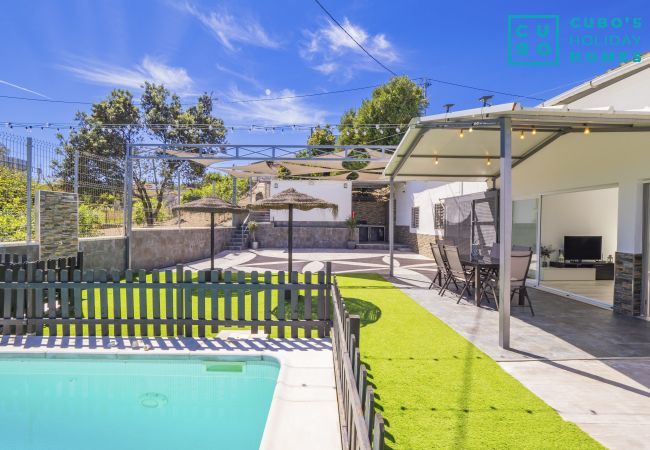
x,y
479,275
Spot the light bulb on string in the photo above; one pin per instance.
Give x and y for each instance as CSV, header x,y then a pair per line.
x,y
461,134
521,135
534,131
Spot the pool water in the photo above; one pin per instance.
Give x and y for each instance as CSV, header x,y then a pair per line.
x,y
92,403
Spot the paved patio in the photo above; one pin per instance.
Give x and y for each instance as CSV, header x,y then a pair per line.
x,y
591,366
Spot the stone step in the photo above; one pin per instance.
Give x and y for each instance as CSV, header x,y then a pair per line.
x,y
381,246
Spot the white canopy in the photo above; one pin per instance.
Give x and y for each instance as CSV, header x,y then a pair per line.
x,y
465,146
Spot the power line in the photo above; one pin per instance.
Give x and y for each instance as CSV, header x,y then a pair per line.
x,y
426,79
353,39
252,100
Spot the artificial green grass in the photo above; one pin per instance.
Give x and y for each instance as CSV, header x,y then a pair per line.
x,y
436,389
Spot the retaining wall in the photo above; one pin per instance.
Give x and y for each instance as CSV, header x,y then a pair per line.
x,y
332,235
151,248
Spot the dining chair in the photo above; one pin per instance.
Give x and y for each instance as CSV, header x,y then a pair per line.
x,y
441,267
519,267
457,272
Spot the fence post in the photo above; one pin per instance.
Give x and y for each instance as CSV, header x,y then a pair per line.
x,y
76,172
28,157
355,328
328,296
128,204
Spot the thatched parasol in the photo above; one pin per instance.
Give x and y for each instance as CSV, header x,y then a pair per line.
x,y
211,205
291,199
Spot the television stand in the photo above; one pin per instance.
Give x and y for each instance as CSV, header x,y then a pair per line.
x,y
604,270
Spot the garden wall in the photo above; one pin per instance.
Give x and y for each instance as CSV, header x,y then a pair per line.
x,y
314,235
151,248
20,248
163,247
104,252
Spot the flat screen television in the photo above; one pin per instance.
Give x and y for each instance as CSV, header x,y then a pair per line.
x,y
583,248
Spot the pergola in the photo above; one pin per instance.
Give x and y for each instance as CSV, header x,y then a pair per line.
x,y
465,146
259,160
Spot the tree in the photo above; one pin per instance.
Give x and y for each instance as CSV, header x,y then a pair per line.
x,y
107,143
395,102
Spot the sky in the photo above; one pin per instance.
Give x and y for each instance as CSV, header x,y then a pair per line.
x,y
78,51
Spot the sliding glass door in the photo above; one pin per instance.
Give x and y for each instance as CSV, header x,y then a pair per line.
x,y
525,229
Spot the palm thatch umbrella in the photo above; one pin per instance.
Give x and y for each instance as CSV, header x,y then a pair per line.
x,y
211,205
291,199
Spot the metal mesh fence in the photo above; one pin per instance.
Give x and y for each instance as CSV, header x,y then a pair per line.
x,y
98,181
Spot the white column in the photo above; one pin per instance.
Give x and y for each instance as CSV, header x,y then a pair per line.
x,y
505,231
391,225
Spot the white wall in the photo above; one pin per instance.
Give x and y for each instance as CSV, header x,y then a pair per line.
x,y
337,192
583,213
425,194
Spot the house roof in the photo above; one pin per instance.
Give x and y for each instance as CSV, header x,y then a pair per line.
x,y
600,82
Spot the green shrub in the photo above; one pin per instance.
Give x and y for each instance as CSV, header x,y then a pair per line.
x,y
90,220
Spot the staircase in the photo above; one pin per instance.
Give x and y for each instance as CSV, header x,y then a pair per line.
x,y
261,216
239,239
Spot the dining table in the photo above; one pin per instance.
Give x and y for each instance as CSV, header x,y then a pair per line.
x,y
483,267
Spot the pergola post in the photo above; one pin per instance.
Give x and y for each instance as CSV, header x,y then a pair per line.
x,y
391,223
128,203
505,230
290,238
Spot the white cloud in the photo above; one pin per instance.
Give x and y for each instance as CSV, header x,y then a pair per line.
x,y
327,68
230,30
329,50
242,76
269,112
15,86
174,78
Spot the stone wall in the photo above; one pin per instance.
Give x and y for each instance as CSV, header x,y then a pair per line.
x,y
628,283
57,225
335,235
21,248
373,213
155,248
419,243
104,252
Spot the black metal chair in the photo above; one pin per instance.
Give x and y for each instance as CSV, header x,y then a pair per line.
x,y
441,266
457,272
519,267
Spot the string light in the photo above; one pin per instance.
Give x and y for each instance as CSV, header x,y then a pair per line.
x,y
587,130
488,162
534,132
521,135
436,161
471,129
461,134
397,129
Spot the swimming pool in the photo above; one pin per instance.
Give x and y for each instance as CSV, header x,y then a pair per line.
x,y
143,403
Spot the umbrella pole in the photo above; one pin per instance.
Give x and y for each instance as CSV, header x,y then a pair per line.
x,y
290,239
211,241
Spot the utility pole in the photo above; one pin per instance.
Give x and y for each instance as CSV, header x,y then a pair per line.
x,y
426,82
